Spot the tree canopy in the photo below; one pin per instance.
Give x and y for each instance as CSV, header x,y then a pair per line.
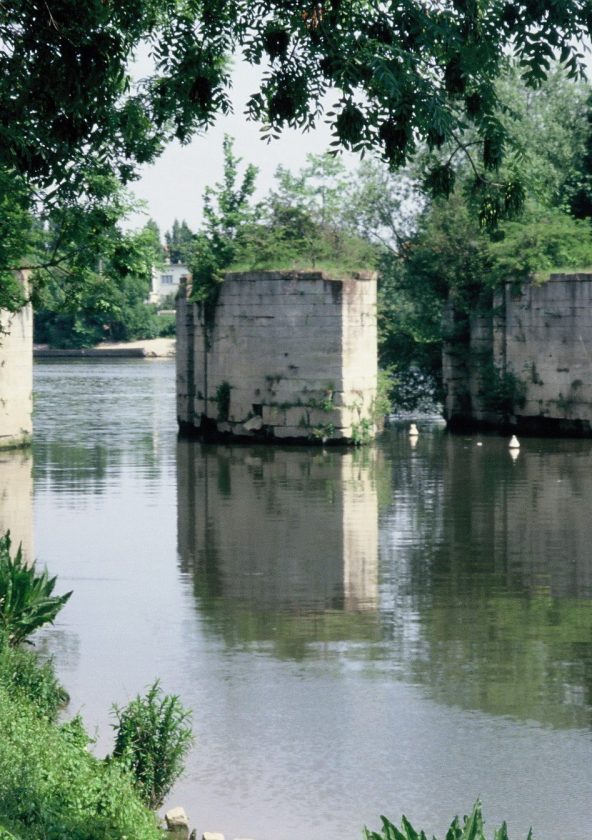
x,y
401,74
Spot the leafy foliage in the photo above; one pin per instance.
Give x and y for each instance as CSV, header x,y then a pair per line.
x,y
471,828
26,600
437,251
227,211
96,288
302,223
416,388
411,75
305,222
504,392
29,680
178,242
152,738
545,240
51,786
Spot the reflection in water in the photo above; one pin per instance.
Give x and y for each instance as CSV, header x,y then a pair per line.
x,y
498,577
281,543
16,499
485,578
107,419
358,633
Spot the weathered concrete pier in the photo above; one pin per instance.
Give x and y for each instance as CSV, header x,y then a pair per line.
x,y
525,361
287,356
16,376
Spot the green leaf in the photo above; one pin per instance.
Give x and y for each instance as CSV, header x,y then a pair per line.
x,y
26,600
410,832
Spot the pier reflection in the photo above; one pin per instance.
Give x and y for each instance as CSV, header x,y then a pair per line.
x,y
492,593
16,498
281,544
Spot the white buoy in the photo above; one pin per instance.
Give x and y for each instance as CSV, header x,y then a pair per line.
x,y
514,443
413,432
413,441
479,443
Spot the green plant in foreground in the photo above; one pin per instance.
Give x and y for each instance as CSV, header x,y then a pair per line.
x,y
53,788
27,679
26,600
152,739
470,829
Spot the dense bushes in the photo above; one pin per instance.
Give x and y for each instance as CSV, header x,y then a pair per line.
x,y
52,787
105,310
152,739
28,680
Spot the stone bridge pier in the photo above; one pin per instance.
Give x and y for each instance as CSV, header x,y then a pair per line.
x,y
286,355
16,377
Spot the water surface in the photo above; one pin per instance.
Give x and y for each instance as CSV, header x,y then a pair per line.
x,y
389,630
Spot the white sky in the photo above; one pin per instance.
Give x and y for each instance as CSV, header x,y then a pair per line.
x,y
172,187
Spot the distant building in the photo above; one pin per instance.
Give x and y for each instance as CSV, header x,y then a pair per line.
x,y
166,281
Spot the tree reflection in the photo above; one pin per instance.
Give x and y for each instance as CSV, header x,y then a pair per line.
x,y
497,581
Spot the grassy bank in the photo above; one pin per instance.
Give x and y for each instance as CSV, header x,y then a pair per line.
x,y
51,786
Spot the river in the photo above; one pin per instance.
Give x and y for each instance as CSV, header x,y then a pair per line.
x,y
390,630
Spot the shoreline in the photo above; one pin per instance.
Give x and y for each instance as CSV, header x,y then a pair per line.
x,y
154,348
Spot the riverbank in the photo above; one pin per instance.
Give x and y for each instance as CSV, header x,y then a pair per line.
x,y
51,785
154,348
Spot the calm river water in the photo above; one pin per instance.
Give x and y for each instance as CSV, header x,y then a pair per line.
x,y
392,630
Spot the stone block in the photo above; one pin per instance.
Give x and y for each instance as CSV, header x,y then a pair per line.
x,y
177,822
273,415
255,424
318,417
212,835
282,432
16,377
280,338
343,433
296,416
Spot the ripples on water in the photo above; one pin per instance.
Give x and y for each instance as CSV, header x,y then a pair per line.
x,y
389,630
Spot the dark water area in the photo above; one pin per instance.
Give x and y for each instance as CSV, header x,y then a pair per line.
x,y
392,630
